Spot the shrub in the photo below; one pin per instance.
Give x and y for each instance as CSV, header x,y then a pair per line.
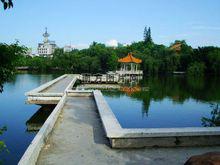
x,y
196,69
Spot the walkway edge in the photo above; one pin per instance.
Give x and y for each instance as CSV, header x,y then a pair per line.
x,y
31,155
110,123
46,85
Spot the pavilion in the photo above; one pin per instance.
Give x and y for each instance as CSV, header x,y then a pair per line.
x,y
130,65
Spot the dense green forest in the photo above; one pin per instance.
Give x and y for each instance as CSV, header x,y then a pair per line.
x,y
157,59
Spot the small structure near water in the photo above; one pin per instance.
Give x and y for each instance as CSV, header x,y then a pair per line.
x,y
108,78
128,72
130,65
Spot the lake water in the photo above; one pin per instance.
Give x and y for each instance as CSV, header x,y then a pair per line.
x,y
171,101
167,101
14,114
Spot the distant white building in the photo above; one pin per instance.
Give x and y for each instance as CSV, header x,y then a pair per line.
x,y
67,48
47,48
29,52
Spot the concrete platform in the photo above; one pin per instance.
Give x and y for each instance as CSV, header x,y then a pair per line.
x,y
79,130
59,86
78,138
51,92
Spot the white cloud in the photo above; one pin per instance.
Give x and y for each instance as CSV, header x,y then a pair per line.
x,y
112,43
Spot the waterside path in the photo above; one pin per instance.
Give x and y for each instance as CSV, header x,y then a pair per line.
x,y
78,138
74,134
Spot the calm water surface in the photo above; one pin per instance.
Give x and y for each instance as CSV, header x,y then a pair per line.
x,y
171,101
14,114
167,101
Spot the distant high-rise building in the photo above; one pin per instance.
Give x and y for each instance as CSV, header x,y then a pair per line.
x,y
47,48
67,48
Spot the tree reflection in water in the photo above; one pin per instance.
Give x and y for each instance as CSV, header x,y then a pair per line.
x,y
177,88
36,121
3,147
214,121
1,85
1,88
9,78
3,129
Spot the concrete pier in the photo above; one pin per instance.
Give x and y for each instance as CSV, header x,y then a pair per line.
x,y
82,130
79,138
59,86
51,92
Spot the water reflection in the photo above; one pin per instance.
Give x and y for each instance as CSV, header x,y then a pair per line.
x,y
37,120
214,120
176,88
14,113
10,78
176,100
130,90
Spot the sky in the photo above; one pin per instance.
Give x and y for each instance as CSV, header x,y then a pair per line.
x,y
80,22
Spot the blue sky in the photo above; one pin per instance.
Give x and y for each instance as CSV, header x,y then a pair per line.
x,y
80,22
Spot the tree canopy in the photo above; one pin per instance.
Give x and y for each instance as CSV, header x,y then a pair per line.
x,y
147,35
9,56
98,58
7,4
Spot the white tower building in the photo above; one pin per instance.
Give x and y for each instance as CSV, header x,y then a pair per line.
x,y
47,48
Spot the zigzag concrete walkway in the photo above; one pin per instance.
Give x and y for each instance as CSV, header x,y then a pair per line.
x,y
78,138
59,86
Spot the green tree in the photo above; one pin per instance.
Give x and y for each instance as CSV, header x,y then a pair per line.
x,y
214,61
196,69
112,62
95,65
147,35
9,55
7,4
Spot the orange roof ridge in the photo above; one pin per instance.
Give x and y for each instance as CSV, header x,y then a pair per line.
x,y
130,58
